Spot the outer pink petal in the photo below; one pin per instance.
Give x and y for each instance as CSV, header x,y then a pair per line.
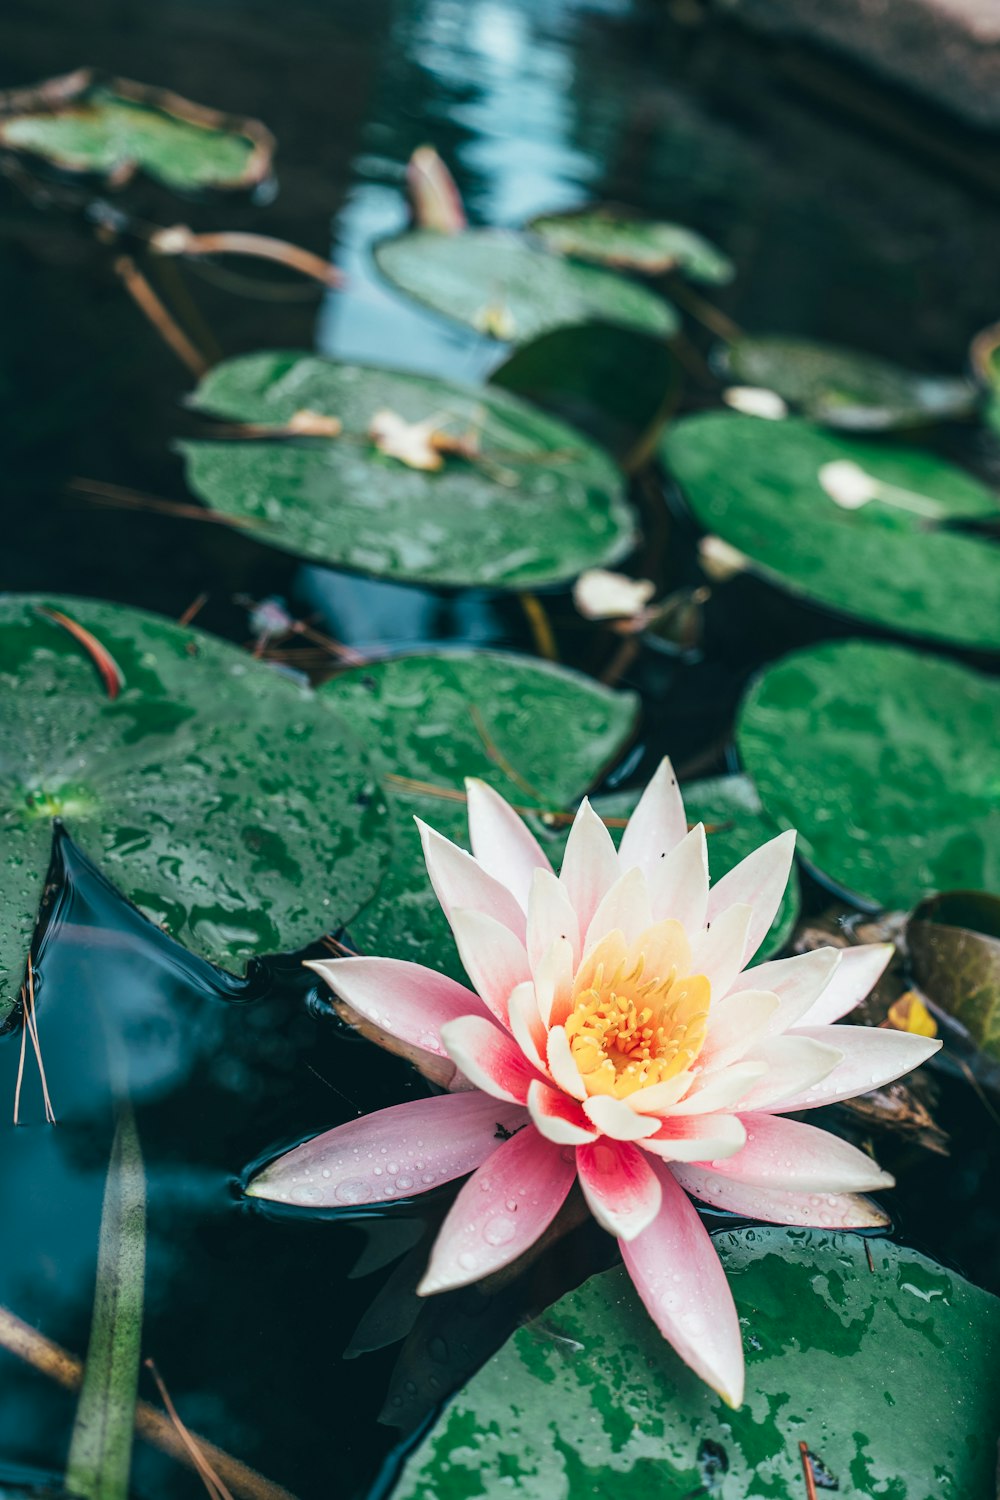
x,y
550,918
590,864
620,1186
558,1117
681,1281
502,844
871,1057
501,1211
657,825
492,956
798,982
737,1023
489,1057
775,1206
697,1138
718,951
858,972
459,881
793,1063
758,881
406,1149
407,1000
624,907
678,887
799,1158
614,1118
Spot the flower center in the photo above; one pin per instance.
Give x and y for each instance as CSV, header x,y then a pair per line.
x,y
638,1016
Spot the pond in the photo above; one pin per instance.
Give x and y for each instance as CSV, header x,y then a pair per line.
x,y
294,1340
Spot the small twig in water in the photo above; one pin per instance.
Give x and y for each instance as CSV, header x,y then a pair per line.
x,y
111,673
20,1061
541,627
149,304
194,608
497,756
179,240
120,498
31,1025
807,1470
209,1477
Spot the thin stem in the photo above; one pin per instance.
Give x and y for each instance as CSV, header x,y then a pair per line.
x,y
149,304
179,240
541,627
212,1482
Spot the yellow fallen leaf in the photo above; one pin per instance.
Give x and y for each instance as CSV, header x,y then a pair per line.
x,y
909,1013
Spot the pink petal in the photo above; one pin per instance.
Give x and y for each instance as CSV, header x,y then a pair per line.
x,y
406,1149
871,1057
625,908
656,826
714,1091
492,956
489,1058
502,844
554,983
793,1063
681,1281
526,1025
404,999
735,1024
800,1159
459,881
590,865
558,1117
620,1186
501,1211
697,1138
614,1118
718,951
775,1206
798,982
678,887
759,882
858,973
562,1064
550,918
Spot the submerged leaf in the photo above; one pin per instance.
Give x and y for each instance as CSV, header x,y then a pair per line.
x,y
954,945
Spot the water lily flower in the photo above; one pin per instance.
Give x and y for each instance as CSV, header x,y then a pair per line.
x,y
613,1036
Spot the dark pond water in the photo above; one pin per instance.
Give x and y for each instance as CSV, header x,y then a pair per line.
x,y
849,215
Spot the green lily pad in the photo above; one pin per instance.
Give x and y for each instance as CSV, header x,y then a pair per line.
x,y
985,360
501,285
885,761
229,804
649,246
889,1374
954,946
731,810
113,130
846,387
756,484
537,506
538,733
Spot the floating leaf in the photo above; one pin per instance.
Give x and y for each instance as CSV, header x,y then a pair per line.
x,y
538,733
649,246
112,130
100,1454
954,946
757,486
846,387
233,807
501,285
536,503
889,1374
885,761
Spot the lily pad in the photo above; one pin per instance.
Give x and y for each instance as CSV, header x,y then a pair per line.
x,y
731,810
888,1373
757,485
985,359
885,760
112,129
538,504
538,733
652,247
954,946
233,807
846,387
503,286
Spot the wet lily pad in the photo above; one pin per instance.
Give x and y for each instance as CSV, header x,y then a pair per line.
x,y
885,760
731,810
889,1375
757,485
538,733
847,387
954,946
503,286
537,504
230,805
649,246
113,129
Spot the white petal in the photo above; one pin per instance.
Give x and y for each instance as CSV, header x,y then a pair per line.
x,y
800,1159
550,917
798,982
404,999
502,844
713,1091
657,1098
870,1056
526,1024
554,983
678,887
625,907
558,1117
858,973
759,882
793,1063
736,1023
460,882
656,826
492,956
562,1064
697,1138
590,865
614,1118
718,951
